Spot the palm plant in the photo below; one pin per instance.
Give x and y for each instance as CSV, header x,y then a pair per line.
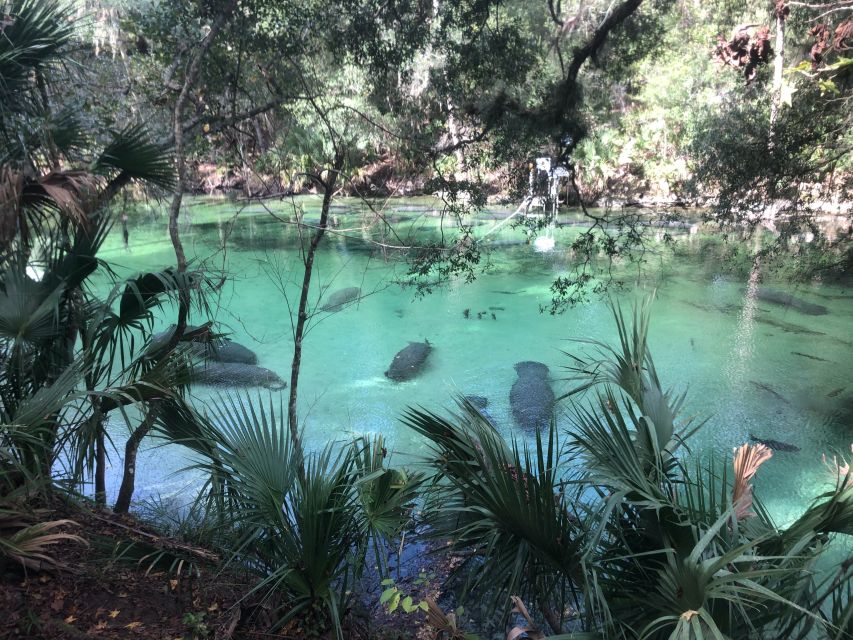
x,y
678,552
506,509
641,541
386,497
305,535
57,178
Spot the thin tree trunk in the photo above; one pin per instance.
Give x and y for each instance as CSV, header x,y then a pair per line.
x,y
131,449
132,446
100,466
329,189
781,12
178,132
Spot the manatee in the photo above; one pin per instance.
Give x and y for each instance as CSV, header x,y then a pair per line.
x,y
220,350
776,445
234,374
409,361
768,389
787,300
788,327
531,397
478,402
160,340
341,297
228,351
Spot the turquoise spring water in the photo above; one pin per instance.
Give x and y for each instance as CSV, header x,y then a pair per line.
x,y
737,357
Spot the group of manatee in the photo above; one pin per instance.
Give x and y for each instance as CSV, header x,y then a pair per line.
x,y
230,364
531,397
225,364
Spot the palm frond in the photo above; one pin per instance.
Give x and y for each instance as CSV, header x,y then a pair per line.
x,y
33,39
503,507
131,151
27,542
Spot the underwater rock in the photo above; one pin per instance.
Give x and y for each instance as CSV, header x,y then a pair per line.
x,y
787,300
161,339
229,351
409,361
341,297
531,397
233,374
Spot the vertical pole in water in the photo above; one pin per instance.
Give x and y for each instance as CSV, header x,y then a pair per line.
x,y
530,181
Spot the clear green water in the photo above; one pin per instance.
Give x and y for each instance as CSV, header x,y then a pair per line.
x,y
706,335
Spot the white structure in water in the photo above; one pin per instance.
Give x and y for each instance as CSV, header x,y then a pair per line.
x,y
554,174
542,201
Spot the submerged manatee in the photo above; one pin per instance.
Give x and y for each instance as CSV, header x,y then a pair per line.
x,y
341,297
224,350
233,374
531,397
478,402
775,445
228,351
409,361
160,340
787,300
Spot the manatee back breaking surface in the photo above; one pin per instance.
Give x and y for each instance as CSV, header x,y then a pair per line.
x,y
409,361
787,300
340,297
531,397
233,374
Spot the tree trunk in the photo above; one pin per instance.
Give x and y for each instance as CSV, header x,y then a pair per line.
x,y
100,466
132,446
302,313
178,132
131,449
781,12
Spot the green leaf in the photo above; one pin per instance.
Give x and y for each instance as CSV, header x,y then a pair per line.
x,y
386,595
387,582
840,64
408,606
423,605
828,86
395,602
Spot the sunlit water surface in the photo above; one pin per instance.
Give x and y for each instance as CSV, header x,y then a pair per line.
x,y
706,335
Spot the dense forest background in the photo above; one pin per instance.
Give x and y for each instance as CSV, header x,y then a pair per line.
x,y
671,106
742,109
